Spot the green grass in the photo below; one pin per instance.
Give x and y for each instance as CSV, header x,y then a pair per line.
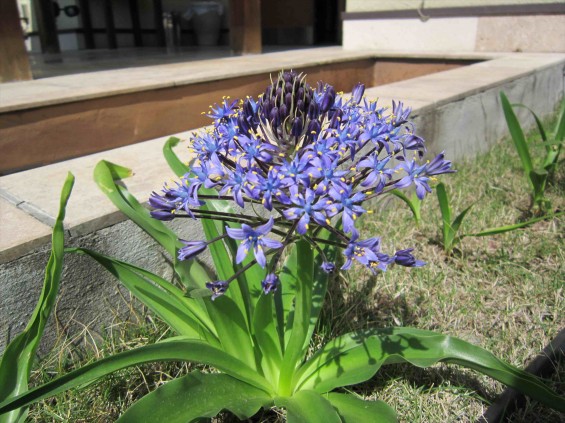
x,y
504,293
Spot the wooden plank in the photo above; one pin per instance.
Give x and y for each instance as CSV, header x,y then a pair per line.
x,y
245,26
14,63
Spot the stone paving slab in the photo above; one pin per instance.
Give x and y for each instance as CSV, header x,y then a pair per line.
x,y
37,191
63,89
19,232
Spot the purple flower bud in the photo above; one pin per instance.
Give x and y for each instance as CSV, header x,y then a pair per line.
x,y
270,283
328,267
288,100
357,92
296,127
162,215
274,117
191,249
283,112
405,258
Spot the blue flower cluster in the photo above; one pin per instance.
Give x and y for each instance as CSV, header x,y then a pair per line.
x,y
309,156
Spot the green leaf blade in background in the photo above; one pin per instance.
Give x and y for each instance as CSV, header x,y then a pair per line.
x,y
194,396
517,135
18,357
445,209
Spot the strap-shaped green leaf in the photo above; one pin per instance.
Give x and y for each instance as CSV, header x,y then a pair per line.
x,y
308,406
17,360
176,165
192,273
194,396
517,135
233,332
181,350
448,232
507,228
414,203
355,357
352,409
302,274
266,334
167,301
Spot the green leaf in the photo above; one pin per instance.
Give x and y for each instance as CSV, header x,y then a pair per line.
x,y
18,357
233,332
414,203
560,128
181,350
320,282
306,407
196,396
459,219
517,135
539,124
302,271
176,165
192,273
356,357
267,337
352,409
448,232
185,317
507,228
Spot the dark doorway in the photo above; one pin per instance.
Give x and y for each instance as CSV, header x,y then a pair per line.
x,y
327,22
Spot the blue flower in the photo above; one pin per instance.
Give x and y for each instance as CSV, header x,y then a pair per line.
x,y
270,283
305,210
304,155
379,175
367,253
346,200
254,239
222,111
218,288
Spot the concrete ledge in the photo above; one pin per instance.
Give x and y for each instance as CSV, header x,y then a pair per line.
x,y
457,110
55,119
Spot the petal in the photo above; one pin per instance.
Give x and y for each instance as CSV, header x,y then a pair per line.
x,y
236,233
260,256
241,252
271,243
266,228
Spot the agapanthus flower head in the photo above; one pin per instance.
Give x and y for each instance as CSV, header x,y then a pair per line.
x,y
308,156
